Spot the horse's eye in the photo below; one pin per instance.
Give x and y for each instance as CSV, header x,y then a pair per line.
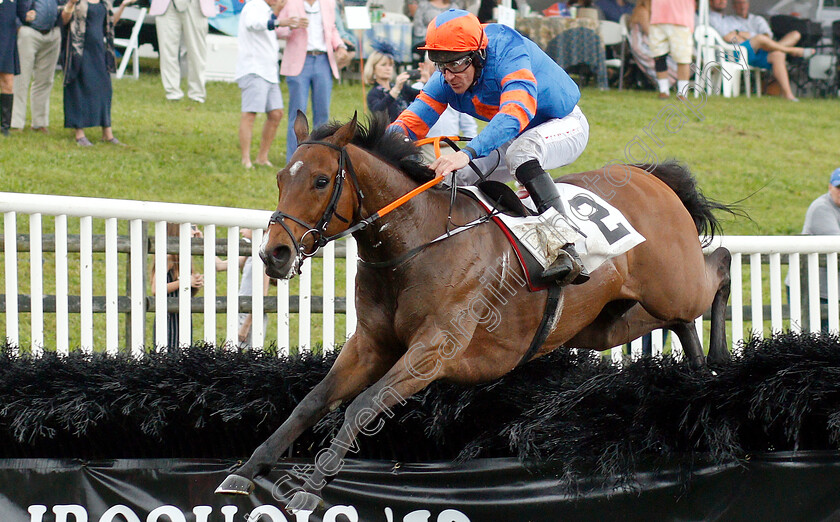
x,y
321,182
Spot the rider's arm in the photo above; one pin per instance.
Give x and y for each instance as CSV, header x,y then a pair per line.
x,y
517,103
425,110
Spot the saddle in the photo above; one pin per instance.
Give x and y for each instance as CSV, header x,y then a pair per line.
x,y
598,230
498,198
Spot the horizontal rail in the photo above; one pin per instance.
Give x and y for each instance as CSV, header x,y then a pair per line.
x,y
777,244
196,304
128,209
124,245
269,305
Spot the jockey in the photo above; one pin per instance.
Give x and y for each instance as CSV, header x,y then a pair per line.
x,y
495,74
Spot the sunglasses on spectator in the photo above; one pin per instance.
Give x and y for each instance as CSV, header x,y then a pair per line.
x,y
456,66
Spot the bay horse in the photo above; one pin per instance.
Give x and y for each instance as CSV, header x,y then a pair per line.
x,y
458,309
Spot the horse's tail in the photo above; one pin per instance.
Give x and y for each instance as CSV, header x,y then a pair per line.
x,y
682,182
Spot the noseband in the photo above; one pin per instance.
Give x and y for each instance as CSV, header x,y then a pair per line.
x,y
319,230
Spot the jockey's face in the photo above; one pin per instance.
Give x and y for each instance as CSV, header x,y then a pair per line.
x,y
461,81
718,5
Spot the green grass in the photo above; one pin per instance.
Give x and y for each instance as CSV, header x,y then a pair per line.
x,y
771,155
775,153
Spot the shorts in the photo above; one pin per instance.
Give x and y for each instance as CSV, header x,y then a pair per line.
x,y
675,40
756,59
259,94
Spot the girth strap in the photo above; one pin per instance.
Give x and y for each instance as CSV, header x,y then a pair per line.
x,y
543,329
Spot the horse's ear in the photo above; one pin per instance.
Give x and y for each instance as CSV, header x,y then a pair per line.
x,y
345,134
301,127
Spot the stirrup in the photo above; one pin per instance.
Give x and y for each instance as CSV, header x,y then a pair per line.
x,y
567,268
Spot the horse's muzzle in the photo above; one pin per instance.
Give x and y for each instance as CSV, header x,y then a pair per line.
x,y
279,261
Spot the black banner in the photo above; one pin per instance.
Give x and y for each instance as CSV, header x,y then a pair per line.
x,y
777,486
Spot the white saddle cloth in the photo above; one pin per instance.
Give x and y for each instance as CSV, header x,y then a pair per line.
x,y
597,229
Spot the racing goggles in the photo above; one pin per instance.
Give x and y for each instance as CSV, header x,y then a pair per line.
x,y
455,66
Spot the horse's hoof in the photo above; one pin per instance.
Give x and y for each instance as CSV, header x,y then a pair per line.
x,y
235,485
303,501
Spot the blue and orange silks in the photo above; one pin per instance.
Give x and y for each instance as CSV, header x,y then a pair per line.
x,y
519,88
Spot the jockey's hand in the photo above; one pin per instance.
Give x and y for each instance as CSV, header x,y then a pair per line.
x,y
450,163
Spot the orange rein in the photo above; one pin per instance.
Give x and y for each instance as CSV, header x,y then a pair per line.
x,y
425,186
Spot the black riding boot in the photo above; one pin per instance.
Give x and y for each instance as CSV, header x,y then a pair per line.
x,y
6,101
542,190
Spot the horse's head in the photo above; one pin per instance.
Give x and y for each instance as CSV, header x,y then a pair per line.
x,y
316,199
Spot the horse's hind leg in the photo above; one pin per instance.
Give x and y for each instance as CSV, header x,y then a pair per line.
x,y
616,329
620,322
690,342
718,263
357,366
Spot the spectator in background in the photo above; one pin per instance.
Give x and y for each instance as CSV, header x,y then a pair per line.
x,y
258,76
177,21
640,46
612,10
485,9
426,11
387,95
672,33
88,64
753,33
313,56
173,283
409,8
39,44
821,219
12,15
347,36
246,288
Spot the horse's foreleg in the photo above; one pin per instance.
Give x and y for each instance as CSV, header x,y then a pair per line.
x,y
355,368
407,377
718,263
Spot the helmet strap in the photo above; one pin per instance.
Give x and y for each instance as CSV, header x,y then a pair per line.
x,y
479,56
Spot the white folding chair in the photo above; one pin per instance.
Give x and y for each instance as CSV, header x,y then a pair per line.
x,y
720,64
131,43
613,34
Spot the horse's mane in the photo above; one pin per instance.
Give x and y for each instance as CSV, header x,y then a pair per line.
x,y
390,146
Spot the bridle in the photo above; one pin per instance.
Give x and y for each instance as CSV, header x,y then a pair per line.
x,y
318,232
345,167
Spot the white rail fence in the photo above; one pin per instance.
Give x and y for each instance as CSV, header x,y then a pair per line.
x,y
758,304
765,255
89,211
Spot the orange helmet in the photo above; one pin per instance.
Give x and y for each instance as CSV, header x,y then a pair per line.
x,y
454,33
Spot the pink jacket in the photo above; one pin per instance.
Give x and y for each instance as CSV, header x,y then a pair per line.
x,y
296,39
158,7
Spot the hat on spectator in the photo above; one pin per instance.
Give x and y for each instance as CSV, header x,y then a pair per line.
x,y
835,178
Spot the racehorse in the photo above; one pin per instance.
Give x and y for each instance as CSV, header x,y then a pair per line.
x,y
458,309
